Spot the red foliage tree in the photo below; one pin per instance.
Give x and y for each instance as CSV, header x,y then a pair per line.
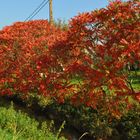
x,y
28,65
98,47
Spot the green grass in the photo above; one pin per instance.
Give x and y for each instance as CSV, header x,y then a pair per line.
x,y
16,125
135,80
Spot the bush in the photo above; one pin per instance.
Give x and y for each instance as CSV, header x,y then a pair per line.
x,y
17,125
97,123
129,125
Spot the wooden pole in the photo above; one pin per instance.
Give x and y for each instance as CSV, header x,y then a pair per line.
x,y
50,12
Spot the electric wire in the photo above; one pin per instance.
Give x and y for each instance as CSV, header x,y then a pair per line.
x,y
37,10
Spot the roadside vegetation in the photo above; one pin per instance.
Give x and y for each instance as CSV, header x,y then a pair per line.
x,y
85,73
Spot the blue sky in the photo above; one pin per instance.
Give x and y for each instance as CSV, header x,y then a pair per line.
x,y
18,10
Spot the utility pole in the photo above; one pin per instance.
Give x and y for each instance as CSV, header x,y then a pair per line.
x,y
50,12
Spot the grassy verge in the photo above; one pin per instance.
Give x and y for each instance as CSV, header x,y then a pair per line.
x,y
16,125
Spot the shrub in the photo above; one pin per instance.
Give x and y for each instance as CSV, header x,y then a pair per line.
x,y
129,125
99,124
17,125
28,65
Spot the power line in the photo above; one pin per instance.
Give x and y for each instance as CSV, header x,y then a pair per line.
x,y
37,10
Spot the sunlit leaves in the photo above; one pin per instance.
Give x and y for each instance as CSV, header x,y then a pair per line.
x,y
43,59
